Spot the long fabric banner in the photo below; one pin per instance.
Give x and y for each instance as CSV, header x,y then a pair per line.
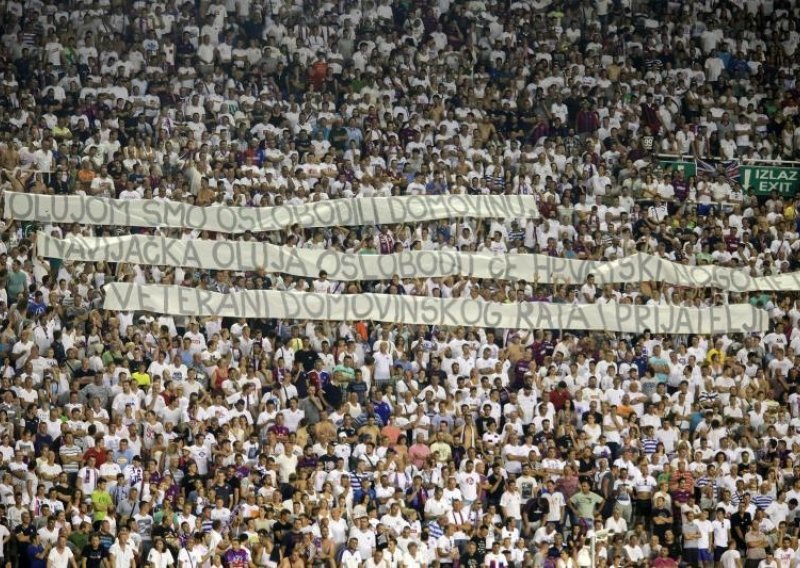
x,y
254,255
184,301
338,212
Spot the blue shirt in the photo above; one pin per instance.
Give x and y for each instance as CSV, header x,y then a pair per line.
x,y
36,308
383,410
435,530
762,501
649,445
661,377
641,364
34,562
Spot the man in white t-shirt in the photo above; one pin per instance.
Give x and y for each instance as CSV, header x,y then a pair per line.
x,y
351,558
511,504
704,556
732,558
495,557
784,555
469,483
383,363
196,339
121,554
61,556
376,560
49,532
633,551
658,211
721,529
416,556
616,524
322,285
556,504
291,416
589,290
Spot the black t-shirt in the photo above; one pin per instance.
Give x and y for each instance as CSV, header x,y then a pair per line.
x,y
65,490
291,540
471,560
94,556
189,480
494,496
541,436
307,358
533,509
349,432
275,555
31,423
742,521
164,532
338,137
328,462
234,483
675,551
584,467
598,417
224,492
278,528
661,530
564,443
480,542
481,423
22,547
555,551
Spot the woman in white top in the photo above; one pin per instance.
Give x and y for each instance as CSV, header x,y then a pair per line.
x,y
159,556
592,429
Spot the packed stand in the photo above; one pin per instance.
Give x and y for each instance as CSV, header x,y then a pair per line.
x,y
143,439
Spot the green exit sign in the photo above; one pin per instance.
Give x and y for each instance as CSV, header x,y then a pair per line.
x,y
766,179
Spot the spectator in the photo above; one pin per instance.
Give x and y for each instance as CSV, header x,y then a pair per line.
x,y
220,438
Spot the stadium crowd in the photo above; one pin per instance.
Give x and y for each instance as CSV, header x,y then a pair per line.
x,y
139,439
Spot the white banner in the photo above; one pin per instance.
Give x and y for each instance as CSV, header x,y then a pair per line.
x,y
184,301
336,212
254,255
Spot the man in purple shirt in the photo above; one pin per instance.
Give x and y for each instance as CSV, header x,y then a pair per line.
x,y
236,556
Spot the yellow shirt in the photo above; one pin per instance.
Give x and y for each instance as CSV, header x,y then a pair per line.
x,y
142,379
712,352
62,132
102,502
442,451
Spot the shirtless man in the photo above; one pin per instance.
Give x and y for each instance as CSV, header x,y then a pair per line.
x,y
294,560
